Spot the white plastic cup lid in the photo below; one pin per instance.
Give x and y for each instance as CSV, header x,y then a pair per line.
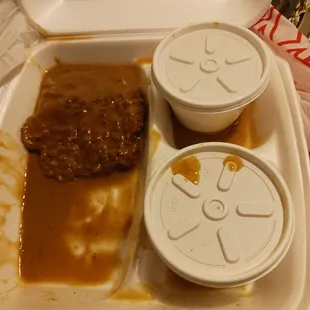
x,y
218,215
212,66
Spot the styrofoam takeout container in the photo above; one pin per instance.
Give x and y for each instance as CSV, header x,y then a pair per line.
x,y
275,115
209,72
232,228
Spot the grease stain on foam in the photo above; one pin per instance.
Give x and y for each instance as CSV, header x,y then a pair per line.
x,y
12,165
189,168
57,61
248,290
235,163
137,293
70,37
155,140
50,296
8,251
41,30
31,59
8,283
144,61
49,36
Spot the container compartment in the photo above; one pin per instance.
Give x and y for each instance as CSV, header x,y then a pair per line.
x,y
270,129
42,59
145,282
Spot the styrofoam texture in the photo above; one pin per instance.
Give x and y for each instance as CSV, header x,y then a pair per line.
x,y
183,253
58,17
207,82
284,289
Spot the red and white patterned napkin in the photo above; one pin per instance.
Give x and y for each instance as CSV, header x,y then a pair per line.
x,y
289,43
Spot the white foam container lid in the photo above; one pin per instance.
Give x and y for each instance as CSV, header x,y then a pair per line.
x,y
58,17
212,67
232,228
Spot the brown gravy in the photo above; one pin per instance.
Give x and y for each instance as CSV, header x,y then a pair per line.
x,y
188,167
235,163
142,293
144,60
155,138
72,232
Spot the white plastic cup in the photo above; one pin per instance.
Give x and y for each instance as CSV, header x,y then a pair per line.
x,y
205,122
231,228
210,72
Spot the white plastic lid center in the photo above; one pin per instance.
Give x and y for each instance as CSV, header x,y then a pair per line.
x,y
213,65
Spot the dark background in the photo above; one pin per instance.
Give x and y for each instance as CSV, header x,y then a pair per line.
x,y
288,7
